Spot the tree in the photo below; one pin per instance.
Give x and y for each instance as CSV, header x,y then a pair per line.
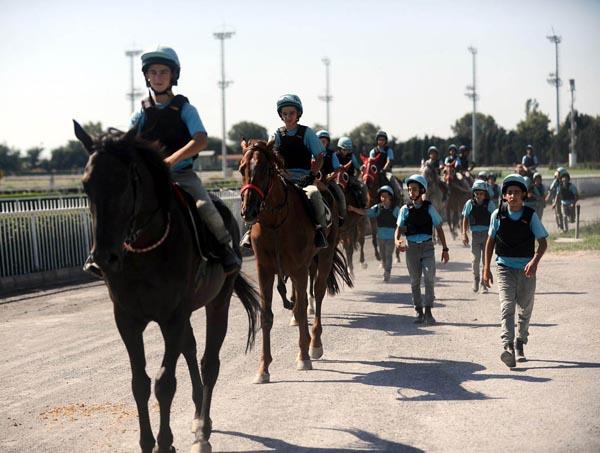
x,y
247,130
10,159
533,130
487,134
363,137
32,158
69,157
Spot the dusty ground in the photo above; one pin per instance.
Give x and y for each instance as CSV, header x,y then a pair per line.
x,y
384,383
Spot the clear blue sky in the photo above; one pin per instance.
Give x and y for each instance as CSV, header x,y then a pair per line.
x,y
401,64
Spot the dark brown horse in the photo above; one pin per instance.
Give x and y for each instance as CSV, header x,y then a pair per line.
x,y
458,194
154,272
283,235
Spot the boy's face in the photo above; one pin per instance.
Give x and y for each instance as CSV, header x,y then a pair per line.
x,y
452,152
537,181
381,141
565,179
159,76
414,191
325,142
385,198
289,115
480,196
514,197
433,155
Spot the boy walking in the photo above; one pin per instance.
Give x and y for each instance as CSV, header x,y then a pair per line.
x,y
513,231
416,221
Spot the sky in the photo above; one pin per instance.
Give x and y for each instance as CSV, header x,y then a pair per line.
x,y
402,65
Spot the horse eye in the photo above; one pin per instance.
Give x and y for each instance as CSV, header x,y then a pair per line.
x,y
345,177
373,168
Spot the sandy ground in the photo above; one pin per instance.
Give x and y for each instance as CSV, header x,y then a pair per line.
x,y
384,383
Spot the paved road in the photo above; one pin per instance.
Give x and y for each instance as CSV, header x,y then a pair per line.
x,y
384,384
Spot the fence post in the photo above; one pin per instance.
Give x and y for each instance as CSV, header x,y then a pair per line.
x,y
34,242
577,211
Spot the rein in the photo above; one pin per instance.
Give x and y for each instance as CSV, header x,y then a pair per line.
x,y
130,248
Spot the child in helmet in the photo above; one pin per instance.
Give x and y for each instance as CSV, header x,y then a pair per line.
x,y
514,228
345,155
173,122
383,151
529,160
416,221
434,159
553,197
386,213
330,164
568,196
494,189
538,191
451,158
476,217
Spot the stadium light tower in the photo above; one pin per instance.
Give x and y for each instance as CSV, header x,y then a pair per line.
x,y
133,92
223,84
554,77
472,94
327,98
573,153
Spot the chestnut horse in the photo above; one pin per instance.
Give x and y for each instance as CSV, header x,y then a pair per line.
x,y
155,272
282,235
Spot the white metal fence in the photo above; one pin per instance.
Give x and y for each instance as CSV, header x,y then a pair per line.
x,y
44,234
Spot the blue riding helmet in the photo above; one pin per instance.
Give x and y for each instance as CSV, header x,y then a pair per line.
x,y
537,174
289,100
419,179
381,134
483,175
387,189
323,134
479,185
452,146
529,147
514,180
561,171
345,143
432,149
162,55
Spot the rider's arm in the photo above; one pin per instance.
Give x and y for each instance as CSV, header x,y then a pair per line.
x,y
191,118
390,160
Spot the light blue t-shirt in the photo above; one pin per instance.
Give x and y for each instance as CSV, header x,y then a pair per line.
x,y
573,190
311,141
467,212
383,232
436,219
537,229
189,115
390,152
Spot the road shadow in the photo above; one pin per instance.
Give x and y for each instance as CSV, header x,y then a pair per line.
x,y
388,297
365,441
574,293
395,325
559,365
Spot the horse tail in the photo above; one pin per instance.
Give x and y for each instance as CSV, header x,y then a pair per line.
x,y
339,267
251,301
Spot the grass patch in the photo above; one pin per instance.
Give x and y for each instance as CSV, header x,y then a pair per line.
x,y
589,233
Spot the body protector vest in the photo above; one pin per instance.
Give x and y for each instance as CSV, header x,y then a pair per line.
x,y
292,149
419,221
565,192
383,156
480,214
165,124
343,159
514,238
528,161
385,217
327,162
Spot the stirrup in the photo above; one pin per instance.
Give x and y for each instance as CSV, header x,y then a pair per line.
x,y
246,241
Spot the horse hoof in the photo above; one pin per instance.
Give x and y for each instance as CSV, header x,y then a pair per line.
x,y
304,365
315,353
293,321
363,265
157,449
201,447
263,378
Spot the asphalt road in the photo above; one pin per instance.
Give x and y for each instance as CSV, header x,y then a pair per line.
x,y
384,383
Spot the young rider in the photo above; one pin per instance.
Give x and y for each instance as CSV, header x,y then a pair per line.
x,y
451,158
345,155
330,164
176,125
513,231
382,151
539,194
416,221
529,160
494,189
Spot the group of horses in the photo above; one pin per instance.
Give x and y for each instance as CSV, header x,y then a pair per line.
x,y
157,262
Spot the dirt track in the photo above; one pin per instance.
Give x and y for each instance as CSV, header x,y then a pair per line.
x,y
384,383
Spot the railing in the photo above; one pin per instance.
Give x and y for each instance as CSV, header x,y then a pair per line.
x,y
38,235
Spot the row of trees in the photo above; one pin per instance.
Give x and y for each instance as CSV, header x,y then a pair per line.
x,y
495,145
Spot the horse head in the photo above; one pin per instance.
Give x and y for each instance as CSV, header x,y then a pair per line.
x,y
370,170
342,175
259,165
128,185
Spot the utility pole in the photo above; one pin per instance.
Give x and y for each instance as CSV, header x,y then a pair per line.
x,y
133,93
327,98
554,77
472,94
573,153
223,84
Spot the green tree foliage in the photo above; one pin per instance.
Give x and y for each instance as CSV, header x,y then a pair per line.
x,y
10,159
247,130
73,156
587,143
363,137
32,157
533,130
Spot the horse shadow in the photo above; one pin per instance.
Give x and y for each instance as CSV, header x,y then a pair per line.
x,y
403,299
365,440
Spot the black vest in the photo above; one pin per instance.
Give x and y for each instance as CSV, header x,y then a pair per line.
x,y
165,124
292,149
480,215
344,160
419,221
565,193
514,238
385,217
327,162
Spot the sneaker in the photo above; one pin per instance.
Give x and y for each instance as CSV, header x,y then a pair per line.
x,y
520,351
246,241
475,286
320,239
429,319
386,276
229,259
484,289
508,356
92,268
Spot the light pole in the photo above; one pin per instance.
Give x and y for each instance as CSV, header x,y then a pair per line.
x,y
554,77
133,93
327,98
472,94
223,84
573,153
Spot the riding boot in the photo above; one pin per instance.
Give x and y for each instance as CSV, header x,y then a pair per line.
x,y
92,268
320,238
246,241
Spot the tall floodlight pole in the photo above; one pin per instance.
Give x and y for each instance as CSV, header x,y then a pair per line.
x,y
573,153
133,93
554,77
472,94
223,84
327,98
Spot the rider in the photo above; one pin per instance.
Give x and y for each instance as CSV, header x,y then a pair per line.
x,y
434,159
382,151
416,221
462,161
345,155
451,158
539,194
330,164
297,145
173,122
568,194
529,160
476,217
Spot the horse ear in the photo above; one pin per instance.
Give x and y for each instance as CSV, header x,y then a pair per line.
x,y
83,137
270,144
244,143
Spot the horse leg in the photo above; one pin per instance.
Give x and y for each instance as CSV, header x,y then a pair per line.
x,y
131,332
217,316
349,249
361,243
325,267
174,333
374,238
265,280
311,287
189,352
299,282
